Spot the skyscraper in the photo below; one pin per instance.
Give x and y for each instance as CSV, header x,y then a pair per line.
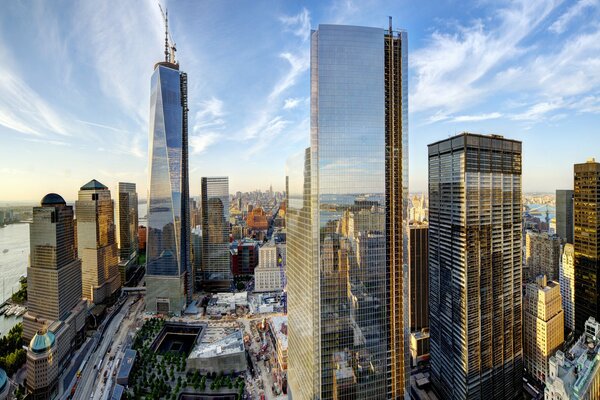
x,y
96,243
419,276
586,242
216,262
542,255
475,267
543,325
168,267
564,215
127,227
348,322
567,285
53,325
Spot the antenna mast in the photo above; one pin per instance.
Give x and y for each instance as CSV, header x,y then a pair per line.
x,y
169,44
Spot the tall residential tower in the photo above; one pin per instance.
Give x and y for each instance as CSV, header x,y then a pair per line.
x,y
346,220
127,227
168,267
475,299
564,215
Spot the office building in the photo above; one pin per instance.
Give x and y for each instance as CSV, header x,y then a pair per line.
x,y
127,227
543,325
246,258
97,244
586,242
567,285
269,275
54,323
216,262
419,276
575,375
475,256
348,322
168,267
564,215
542,256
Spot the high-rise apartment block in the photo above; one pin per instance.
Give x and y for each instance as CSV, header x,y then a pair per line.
x,y
127,227
216,262
419,276
564,215
348,321
542,256
169,275
54,323
575,375
475,298
543,325
567,285
97,244
586,242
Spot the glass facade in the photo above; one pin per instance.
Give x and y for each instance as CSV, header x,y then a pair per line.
x,y
346,221
564,215
168,240
586,242
475,256
127,220
216,260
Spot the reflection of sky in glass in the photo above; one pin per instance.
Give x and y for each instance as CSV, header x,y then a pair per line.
x,y
164,212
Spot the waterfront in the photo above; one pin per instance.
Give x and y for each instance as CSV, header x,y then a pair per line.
x,y
14,253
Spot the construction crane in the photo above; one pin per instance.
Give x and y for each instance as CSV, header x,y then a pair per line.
x,y
170,48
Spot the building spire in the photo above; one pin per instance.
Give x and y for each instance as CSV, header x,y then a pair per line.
x,y
169,45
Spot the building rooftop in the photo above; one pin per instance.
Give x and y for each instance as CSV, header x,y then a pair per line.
x,y
93,185
41,342
117,393
3,380
127,364
52,199
230,344
279,326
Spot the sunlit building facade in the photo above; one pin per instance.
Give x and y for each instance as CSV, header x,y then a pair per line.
x,y
586,242
567,285
216,260
346,221
97,243
168,267
475,256
542,255
543,325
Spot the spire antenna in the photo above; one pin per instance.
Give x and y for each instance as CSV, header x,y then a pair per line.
x,y
169,45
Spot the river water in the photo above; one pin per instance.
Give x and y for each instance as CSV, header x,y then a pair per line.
x,y
13,264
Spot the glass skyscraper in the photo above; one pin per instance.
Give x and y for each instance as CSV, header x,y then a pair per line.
x,y
475,256
168,270
586,244
346,214
216,259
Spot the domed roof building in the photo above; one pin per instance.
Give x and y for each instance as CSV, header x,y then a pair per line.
x,y
4,385
53,199
42,342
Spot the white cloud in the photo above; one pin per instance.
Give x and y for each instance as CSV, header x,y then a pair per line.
x,y
477,117
299,63
560,25
269,131
201,142
450,71
298,24
539,111
291,103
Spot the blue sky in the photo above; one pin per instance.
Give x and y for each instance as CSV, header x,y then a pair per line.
x,y
75,81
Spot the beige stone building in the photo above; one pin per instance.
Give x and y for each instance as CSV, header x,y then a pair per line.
x,y
97,245
543,325
542,256
267,275
54,323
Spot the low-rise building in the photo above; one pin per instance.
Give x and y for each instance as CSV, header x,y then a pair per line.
x,y
225,355
126,367
419,346
575,375
226,303
279,336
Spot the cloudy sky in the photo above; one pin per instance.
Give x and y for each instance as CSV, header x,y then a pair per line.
x,y
75,82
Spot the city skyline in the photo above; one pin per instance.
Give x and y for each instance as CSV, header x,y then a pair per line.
x,y
83,91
